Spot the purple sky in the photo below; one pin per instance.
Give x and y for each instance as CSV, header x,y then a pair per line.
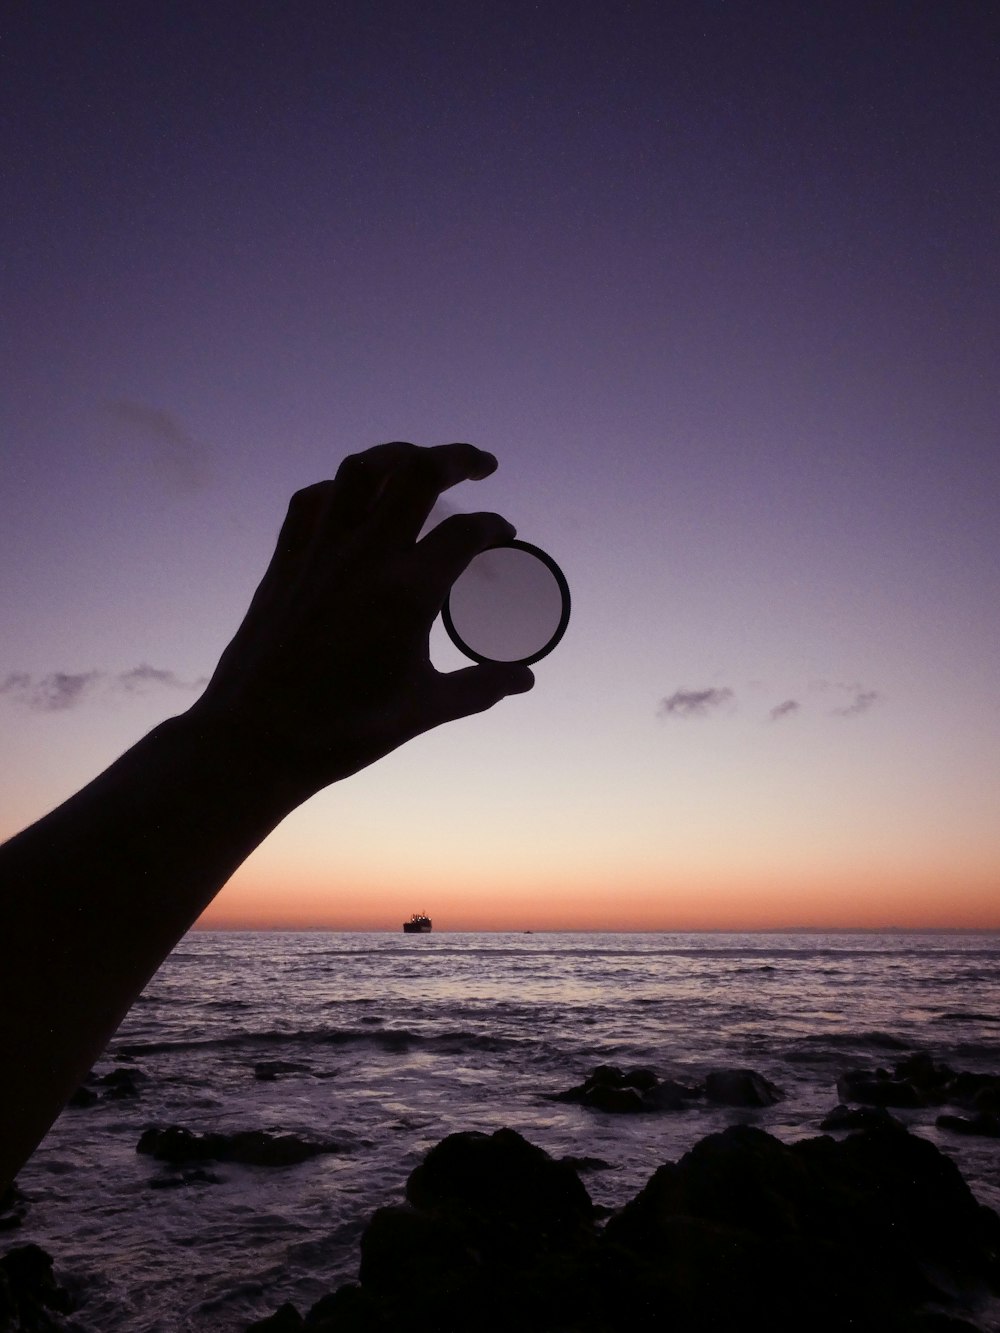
x,y
718,284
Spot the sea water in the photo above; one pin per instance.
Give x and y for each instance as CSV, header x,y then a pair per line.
x,y
387,1042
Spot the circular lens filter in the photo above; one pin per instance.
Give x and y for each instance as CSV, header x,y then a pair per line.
x,y
510,604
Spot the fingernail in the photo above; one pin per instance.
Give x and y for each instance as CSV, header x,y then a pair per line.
x,y
522,682
487,465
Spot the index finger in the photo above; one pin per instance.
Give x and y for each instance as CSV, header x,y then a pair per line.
x,y
417,480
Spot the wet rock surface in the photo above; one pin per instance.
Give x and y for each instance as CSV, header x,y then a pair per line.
x,y
119,1085
251,1147
269,1071
985,1125
31,1300
623,1092
859,1117
877,1233
177,1177
920,1081
13,1206
741,1087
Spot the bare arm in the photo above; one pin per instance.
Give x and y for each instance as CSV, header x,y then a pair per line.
x,y
328,672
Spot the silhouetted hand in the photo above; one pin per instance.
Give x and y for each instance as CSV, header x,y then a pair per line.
x,y
330,669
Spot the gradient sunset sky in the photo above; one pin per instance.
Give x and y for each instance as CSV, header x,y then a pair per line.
x,y
718,283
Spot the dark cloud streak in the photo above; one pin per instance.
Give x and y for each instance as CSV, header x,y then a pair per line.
x,y
181,461
784,709
694,703
62,690
863,700
53,693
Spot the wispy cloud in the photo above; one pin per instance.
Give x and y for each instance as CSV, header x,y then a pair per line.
x,y
144,677
784,709
694,703
49,694
62,690
862,701
856,700
175,456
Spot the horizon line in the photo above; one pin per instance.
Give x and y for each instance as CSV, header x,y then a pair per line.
x,y
594,930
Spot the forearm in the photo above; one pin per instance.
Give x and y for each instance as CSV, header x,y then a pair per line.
x,y
95,895
329,671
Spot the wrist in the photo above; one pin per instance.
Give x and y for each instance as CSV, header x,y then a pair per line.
x,y
246,766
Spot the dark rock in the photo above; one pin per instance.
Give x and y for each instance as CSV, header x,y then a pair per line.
x,y
121,1084
349,1309
813,1234
13,1206
31,1300
267,1071
252,1147
986,1124
181,1176
976,1092
741,1087
876,1088
406,1254
930,1080
501,1178
860,1117
608,1088
616,1101
123,1077
286,1319
669,1095
741,1178
920,1081
642,1079
490,1224
876,1233
118,1085
83,1097
587,1164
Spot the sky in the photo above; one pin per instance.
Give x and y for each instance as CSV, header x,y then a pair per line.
x,y
719,285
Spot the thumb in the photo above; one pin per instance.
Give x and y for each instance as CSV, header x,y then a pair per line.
x,y
476,688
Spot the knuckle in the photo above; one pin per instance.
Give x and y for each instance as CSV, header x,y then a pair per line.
x,y
422,466
360,464
459,525
308,497
476,524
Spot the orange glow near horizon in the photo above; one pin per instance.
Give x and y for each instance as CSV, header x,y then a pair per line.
x,y
611,875
556,904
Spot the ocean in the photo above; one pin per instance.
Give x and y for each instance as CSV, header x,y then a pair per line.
x,y
385,1043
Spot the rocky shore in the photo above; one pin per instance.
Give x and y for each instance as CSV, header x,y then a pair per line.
x,y
876,1232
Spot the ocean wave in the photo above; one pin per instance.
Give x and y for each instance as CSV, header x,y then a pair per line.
x,y
978,1050
961,1017
434,950
885,1041
392,1039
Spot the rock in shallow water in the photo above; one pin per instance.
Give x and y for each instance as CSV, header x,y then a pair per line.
x,y
252,1147
31,1301
876,1088
624,1092
876,1234
919,1081
741,1087
13,1206
860,1117
985,1125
